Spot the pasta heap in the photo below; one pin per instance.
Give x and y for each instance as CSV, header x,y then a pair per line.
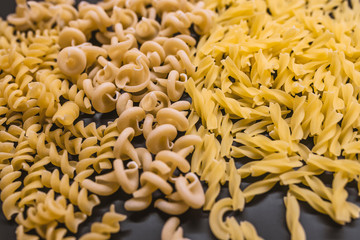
x,y
273,84
59,63
277,92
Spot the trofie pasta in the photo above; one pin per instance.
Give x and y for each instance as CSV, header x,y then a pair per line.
x,y
59,63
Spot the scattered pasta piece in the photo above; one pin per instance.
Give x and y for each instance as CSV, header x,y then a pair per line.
x,y
172,231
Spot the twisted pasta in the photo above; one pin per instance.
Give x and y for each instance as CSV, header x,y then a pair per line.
x,y
51,77
171,229
292,217
67,113
9,194
230,228
109,224
70,191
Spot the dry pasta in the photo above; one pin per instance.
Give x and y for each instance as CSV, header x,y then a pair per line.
x,y
59,62
275,84
171,230
266,78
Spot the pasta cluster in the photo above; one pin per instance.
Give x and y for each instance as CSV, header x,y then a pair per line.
x,y
277,92
59,63
274,89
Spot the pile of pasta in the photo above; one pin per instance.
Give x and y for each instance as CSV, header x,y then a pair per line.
x,y
274,89
60,63
277,93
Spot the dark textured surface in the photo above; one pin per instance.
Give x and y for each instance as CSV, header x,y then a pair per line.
x,y
266,212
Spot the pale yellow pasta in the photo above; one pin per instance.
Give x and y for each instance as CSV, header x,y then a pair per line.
x,y
71,191
103,97
100,188
161,138
154,51
154,101
124,102
131,118
51,232
133,77
171,207
20,234
174,160
174,84
146,29
218,227
273,79
71,36
73,93
234,187
71,61
173,117
51,76
123,148
126,17
292,217
171,230
138,204
50,209
191,193
9,195
108,73
127,178
67,113
109,224
249,231
229,229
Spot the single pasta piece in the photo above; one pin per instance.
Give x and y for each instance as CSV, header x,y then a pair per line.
x,y
292,217
172,231
71,61
109,224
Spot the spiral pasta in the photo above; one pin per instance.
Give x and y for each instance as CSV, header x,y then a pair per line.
x,y
49,209
266,90
136,63
265,79
9,194
109,224
189,192
230,228
292,217
171,229
77,197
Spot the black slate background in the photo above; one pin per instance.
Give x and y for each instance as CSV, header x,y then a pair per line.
x,y
266,212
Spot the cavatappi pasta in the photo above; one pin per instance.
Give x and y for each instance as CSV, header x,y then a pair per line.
x,y
276,90
58,62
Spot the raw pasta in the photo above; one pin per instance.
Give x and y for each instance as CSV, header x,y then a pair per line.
x,y
264,77
276,91
59,62
109,224
171,230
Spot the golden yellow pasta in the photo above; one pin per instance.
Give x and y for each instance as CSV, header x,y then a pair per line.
x,y
275,84
58,63
274,95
